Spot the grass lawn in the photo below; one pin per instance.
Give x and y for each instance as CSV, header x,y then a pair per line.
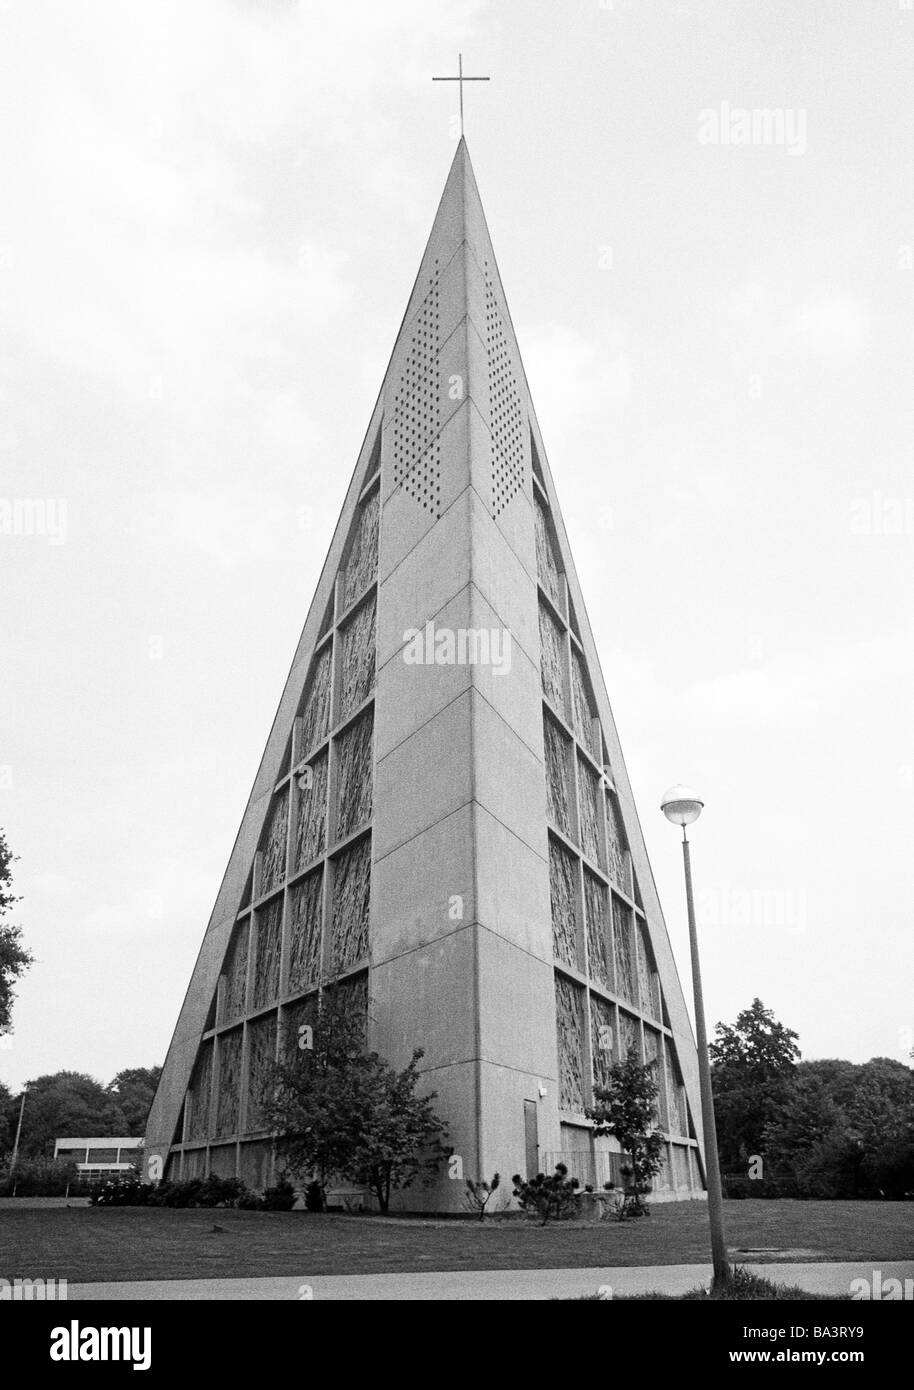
x,y
86,1244
744,1287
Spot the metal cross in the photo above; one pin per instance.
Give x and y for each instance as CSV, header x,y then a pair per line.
x,y
461,79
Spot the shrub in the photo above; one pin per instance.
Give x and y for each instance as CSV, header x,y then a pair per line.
x,y
479,1194
738,1186
314,1197
122,1192
555,1196
193,1192
250,1201
37,1177
199,1192
279,1198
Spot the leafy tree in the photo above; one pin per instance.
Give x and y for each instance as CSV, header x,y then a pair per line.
x,y
881,1106
67,1103
555,1196
626,1108
808,1114
339,1110
879,1130
846,1129
752,1067
313,1099
7,1118
400,1136
36,1177
133,1091
14,958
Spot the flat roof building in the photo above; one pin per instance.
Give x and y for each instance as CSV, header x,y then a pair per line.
x,y
101,1157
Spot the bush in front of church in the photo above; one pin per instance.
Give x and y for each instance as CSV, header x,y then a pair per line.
x,y
551,1198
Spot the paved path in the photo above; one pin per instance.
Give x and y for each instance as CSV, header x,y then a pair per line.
x,y
41,1203
509,1284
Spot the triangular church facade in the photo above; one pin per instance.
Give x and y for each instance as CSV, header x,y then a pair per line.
x,y
442,822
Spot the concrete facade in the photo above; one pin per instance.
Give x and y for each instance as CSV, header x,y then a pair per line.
x,y
466,853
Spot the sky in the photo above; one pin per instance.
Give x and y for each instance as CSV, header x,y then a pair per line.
x,y
212,217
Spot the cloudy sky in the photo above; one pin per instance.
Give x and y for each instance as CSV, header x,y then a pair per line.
x,y
212,216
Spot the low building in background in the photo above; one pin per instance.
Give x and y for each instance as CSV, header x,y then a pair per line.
x,y
101,1158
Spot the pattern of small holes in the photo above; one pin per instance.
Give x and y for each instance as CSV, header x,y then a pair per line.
x,y
505,414
417,408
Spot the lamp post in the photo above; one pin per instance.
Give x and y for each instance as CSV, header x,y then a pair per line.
x,y
681,806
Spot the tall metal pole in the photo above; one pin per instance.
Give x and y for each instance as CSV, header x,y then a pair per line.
x,y
712,1164
14,1155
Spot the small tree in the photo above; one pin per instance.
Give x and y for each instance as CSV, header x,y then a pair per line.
x,y
480,1193
555,1196
400,1136
313,1098
626,1108
341,1111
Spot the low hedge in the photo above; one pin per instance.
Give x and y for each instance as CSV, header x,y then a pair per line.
x,y
193,1192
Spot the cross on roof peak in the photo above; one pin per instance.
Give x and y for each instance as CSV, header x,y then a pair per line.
x,y
461,78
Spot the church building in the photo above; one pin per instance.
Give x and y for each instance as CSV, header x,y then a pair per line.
x,y
442,823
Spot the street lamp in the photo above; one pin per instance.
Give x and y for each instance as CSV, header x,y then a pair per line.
x,y
681,806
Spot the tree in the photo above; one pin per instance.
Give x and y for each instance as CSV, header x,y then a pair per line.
x,y
808,1115
7,1121
752,1066
880,1108
133,1090
880,1124
14,958
36,1177
63,1104
313,1098
480,1193
626,1107
846,1129
400,1136
341,1111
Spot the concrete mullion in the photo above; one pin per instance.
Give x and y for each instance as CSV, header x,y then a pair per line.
x,y
617,1032
636,939
243,1083
661,1063
611,929
571,766
329,802
291,821
212,1105
604,831
253,930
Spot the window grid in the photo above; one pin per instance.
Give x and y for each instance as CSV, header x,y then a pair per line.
x,y
564,714
219,1044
